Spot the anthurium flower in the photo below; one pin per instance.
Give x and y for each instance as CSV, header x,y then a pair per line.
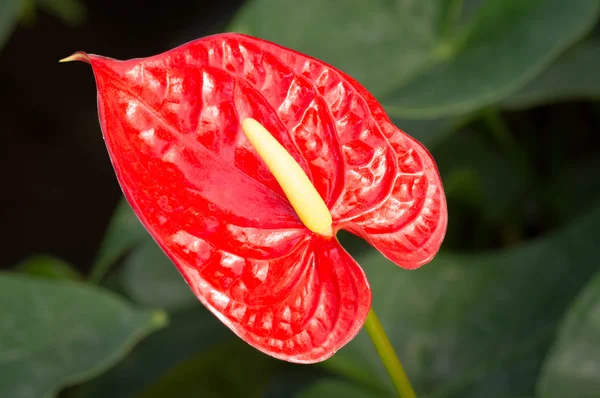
x,y
177,128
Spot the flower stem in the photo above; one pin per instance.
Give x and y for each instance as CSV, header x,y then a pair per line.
x,y
388,356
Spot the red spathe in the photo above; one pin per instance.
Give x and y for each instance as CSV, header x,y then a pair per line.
x,y
172,126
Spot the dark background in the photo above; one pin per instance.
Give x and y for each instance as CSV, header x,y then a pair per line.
x,y
59,187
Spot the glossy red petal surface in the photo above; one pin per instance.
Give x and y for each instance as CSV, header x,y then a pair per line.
x,y
408,225
392,193
301,307
182,173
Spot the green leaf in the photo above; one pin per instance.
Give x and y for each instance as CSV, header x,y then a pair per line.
x,y
573,366
48,266
574,75
475,325
233,369
507,43
56,333
27,15
151,278
9,14
433,133
337,388
291,379
406,55
124,232
71,12
189,333
376,42
429,132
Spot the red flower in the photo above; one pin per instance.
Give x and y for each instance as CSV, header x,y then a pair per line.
x,y
172,126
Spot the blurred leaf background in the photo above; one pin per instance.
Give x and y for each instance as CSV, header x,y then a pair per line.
x,y
504,93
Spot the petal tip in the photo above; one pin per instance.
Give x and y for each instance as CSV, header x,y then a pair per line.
x,y
78,56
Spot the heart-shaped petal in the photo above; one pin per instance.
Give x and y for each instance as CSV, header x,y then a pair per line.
x,y
172,126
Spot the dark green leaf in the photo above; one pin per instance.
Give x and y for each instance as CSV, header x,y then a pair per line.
x,y
380,43
28,16
9,14
339,389
429,132
71,12
291,379
574,75
507,43
476,325
150,278
434,132
124,232
573,367
232,370
189,333
56,333
49,267
401,52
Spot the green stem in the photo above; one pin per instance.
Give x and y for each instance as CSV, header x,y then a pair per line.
x,y
388,356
